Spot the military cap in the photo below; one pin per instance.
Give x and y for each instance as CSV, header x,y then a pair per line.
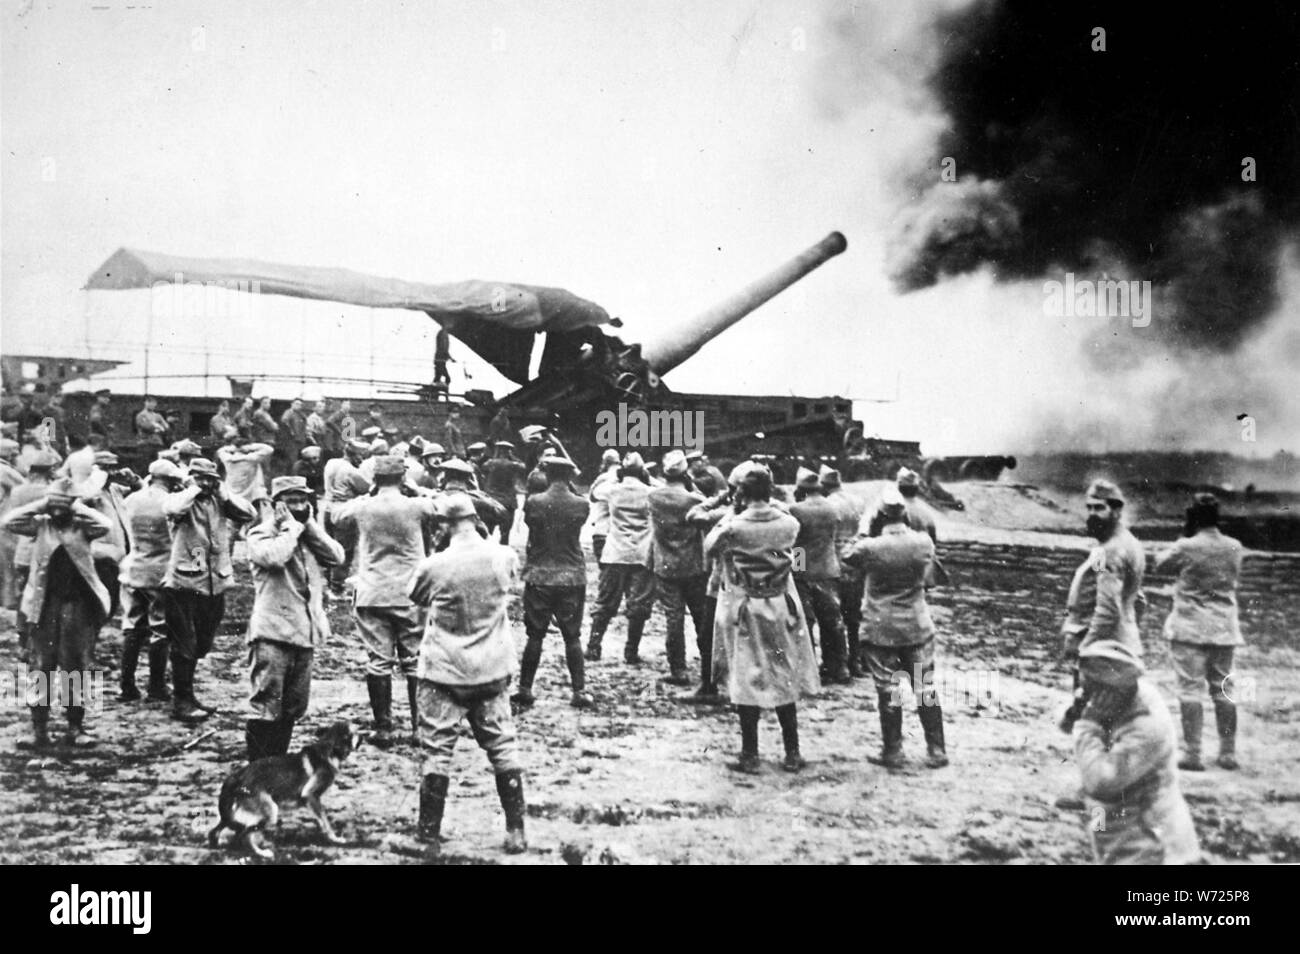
x,y
1105,490
456,507
201,466
828,476
187,446
165,468
674,463
907,478
105,459
805,479
456,466
610,456
286,485
310,452
386,465
433,449
1110,662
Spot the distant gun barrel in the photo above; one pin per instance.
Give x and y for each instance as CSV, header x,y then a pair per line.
x,y
680,343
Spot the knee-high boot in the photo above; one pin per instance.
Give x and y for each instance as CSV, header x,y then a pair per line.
x,y
1225,716
1193,717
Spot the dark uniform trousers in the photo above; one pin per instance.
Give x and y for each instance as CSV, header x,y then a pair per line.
x,y
63,639
597,545
617,579
281,680
565,604
852,585
347,535
194,618
679,595
821,601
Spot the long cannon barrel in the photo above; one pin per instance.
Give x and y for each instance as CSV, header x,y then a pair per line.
x,y
675,347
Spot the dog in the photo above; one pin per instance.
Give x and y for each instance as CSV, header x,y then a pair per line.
x,y
252,797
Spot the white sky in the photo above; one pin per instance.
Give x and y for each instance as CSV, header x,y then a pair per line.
x,y
651,156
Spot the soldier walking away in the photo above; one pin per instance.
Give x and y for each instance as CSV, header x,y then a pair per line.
x,y
501,476
199,572
144,623
681,580
899,639
390,529
625,561
1202,628
288,550
466,660
243,463
817,574
759,619
64,599
1124,747
555,578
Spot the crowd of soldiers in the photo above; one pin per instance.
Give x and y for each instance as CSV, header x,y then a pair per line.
x,y
787,593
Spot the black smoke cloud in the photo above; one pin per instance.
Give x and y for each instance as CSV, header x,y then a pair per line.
x,y
1128,159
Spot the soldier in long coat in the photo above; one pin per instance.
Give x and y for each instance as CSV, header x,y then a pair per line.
x,y
760,623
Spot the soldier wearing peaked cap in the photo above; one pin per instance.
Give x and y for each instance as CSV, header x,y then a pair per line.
x,y
708,479
391,530
1202,627
288,550
1124,747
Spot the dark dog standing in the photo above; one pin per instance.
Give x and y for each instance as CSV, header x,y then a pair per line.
x,y
251,798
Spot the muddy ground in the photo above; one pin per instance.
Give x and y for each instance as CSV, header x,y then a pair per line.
x,y
643,778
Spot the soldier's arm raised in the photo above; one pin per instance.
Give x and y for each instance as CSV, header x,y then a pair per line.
x,y
22,520
178,504
270,545
327,550
93,523
1135,750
